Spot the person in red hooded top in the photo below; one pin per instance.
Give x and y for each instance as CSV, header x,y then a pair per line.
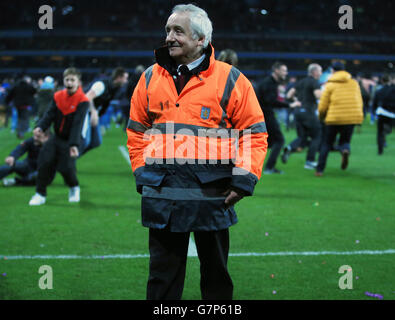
x,y
66,113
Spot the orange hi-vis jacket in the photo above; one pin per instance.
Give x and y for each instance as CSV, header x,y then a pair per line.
x,y
187,149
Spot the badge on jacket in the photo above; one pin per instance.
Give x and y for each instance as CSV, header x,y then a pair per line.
x,y
205,114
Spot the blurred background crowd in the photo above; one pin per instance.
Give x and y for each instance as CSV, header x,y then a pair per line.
x,y
98,37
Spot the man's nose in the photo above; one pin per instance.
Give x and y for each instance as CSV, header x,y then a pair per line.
x,y
170,36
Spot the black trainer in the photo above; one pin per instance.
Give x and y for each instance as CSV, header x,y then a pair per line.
x,y
345,155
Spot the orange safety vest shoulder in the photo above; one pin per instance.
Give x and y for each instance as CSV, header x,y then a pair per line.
x,y
215,117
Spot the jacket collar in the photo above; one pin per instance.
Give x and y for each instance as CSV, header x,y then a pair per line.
x,y
165,61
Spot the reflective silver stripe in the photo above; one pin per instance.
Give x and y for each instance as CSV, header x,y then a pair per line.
x,y
171,161
189,129
182,193
136,126
148,75
258,127
230,84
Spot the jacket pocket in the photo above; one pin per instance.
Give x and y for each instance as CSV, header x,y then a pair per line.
x,y
149,178
212,176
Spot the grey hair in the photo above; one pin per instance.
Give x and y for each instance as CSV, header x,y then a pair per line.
x,y
312,67
201,25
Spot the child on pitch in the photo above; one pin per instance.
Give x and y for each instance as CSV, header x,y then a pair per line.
x,y
66,113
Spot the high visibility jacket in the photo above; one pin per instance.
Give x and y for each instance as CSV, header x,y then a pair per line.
x,y
186,150
341,101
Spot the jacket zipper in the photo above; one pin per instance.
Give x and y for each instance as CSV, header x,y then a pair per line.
x,y
61,125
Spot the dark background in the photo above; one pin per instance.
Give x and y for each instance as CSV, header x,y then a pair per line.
x,y
97,36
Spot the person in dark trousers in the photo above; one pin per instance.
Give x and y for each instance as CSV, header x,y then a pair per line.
x,y
25,169
384,108
66,113
45,95
189,88
308,126
341,108
267,92
100,94
22,94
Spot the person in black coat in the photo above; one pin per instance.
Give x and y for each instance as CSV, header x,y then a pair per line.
x,y
25,169
267,93
384,106
22,94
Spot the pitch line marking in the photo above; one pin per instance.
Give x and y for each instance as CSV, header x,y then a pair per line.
x,y
192,251
124,153
241,254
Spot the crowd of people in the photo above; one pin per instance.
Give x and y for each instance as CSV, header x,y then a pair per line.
x,y
78,119
287,102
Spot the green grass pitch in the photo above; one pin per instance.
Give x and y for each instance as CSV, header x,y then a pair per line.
x,y
342,212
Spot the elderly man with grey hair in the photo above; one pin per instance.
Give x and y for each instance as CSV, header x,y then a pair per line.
x,y
308,127
188,91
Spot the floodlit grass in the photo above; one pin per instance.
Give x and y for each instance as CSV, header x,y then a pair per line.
x,y
343,211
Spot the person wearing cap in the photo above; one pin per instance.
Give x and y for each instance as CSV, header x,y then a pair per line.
x,y
45,95
340,108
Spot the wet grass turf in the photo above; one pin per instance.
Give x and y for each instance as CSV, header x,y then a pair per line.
x,y
342,211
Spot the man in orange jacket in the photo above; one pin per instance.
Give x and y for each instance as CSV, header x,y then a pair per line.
x,y
197,141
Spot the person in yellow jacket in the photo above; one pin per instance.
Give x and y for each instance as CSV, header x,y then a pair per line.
x,y
340,108
197,141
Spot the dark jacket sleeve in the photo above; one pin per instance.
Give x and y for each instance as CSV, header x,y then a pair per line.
x,y
10,95
78,121
21,149
48,117
268,96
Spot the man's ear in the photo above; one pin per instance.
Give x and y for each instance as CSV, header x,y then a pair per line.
x,y
201,41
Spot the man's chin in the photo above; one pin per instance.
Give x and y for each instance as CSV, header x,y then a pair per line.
x,y
71,91
174,51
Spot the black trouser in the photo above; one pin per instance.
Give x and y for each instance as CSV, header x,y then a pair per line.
x,y
331,132
23,120
307,126
275,140
55,155
383,124
168,258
